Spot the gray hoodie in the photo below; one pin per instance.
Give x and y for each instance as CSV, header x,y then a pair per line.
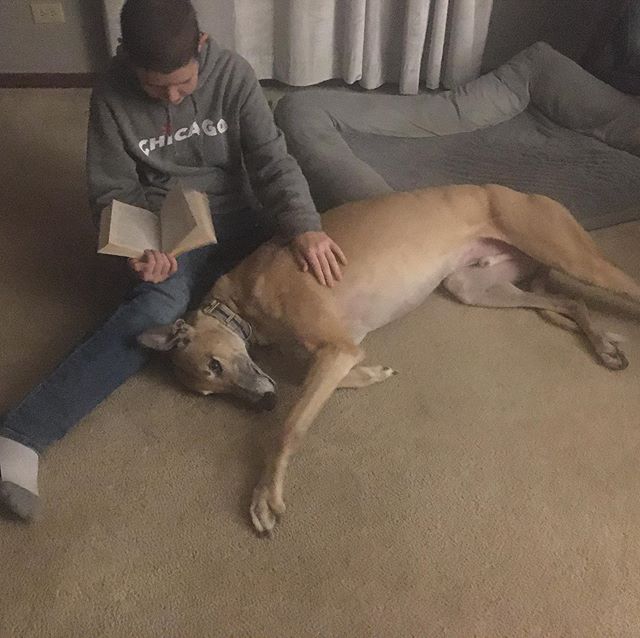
x,y
220,140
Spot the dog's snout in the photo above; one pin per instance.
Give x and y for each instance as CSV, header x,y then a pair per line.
x,y
268,401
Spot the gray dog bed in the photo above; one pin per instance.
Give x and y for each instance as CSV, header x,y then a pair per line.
x,y
539,123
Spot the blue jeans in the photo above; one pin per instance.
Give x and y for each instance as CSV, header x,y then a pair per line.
x,y
111,354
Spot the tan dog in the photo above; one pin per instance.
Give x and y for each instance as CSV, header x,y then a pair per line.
x,y
476,240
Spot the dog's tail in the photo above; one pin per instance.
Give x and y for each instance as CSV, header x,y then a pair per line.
x,y
545,230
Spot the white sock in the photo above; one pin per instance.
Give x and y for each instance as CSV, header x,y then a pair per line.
x,y
18,464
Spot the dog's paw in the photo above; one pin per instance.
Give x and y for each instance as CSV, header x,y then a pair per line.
x,y
266,507
610,353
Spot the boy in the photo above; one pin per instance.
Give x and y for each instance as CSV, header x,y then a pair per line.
x,y
172,106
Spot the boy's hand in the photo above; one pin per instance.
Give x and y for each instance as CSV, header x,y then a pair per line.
x,y
315,250
154,266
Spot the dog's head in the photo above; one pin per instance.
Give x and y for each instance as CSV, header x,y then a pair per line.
x,y
211,358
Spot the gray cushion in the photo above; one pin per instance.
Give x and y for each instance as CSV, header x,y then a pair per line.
x,y
539,123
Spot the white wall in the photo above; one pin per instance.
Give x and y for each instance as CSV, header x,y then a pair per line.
x,y
77,46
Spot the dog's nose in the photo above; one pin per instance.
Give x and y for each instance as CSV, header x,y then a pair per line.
x,y
268,401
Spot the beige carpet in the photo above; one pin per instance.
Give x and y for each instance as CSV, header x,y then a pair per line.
x,y
490,489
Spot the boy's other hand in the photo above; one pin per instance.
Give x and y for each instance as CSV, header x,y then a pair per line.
x,y
316,251
154,266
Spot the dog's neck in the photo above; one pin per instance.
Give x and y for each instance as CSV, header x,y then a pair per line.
x,y
228,316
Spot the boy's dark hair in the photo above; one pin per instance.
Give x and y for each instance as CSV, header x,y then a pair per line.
x,y
159,35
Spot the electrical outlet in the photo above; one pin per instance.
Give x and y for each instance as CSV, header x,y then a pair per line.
x,y
47,12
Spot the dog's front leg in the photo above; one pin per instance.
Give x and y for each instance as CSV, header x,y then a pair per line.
x,y
330,365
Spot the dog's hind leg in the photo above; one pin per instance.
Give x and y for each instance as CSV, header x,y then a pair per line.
x,y
538,285
480,287
331,363
362,376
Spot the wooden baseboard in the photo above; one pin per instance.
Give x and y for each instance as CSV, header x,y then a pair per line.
x,y
47,80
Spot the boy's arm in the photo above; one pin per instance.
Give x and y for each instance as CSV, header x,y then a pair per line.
x,y
111,171
111,174
275,175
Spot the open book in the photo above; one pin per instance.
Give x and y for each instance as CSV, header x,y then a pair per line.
x,y
184,223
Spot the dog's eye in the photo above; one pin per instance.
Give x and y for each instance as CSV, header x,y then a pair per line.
x,y
215,366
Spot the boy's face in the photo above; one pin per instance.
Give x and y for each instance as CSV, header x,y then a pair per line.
x,y
170,87
175,86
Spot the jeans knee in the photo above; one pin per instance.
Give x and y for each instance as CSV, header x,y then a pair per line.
x,y
164,313
162,304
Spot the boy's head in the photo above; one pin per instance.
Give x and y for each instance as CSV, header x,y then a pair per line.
x,y
161,39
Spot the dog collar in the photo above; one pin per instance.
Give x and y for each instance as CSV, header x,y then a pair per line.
x,y
225,315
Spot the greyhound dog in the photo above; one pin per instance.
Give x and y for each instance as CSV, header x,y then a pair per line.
x,y
478,241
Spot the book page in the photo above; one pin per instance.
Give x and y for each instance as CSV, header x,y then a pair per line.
x,y
176,219
203,233
199,204
128,230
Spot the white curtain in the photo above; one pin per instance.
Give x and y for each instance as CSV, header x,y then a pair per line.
x,y
433,43
302,42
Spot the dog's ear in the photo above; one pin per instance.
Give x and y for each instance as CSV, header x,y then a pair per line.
x,y
174,335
